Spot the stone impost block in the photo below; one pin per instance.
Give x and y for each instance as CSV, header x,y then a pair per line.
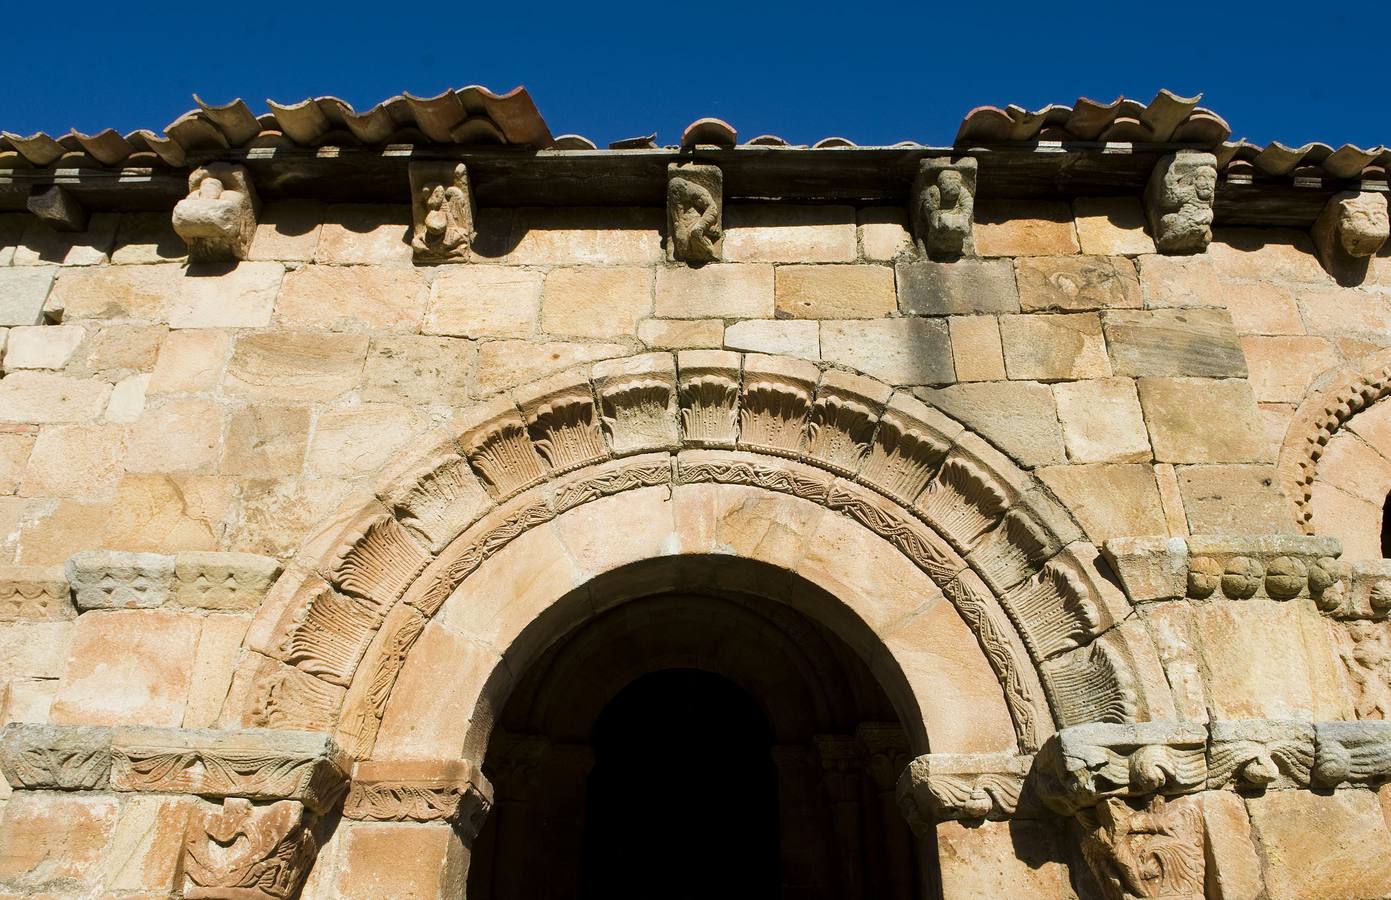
x,y
255,763
442,211
1178,201
108,579
943,208
1149,568
961,786
1260,754
1366,591
1351,753
1232,567
212,580
1352,227
34,592
1081,765
454,791
56,757
218,217
695,213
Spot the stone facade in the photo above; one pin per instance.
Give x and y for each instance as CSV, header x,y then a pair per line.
x,y
330,525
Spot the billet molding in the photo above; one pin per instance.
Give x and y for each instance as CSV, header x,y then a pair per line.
x,y
35,592
453,791
217,220
974,523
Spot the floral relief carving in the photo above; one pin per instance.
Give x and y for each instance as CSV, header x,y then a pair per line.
x,y
565,430
1055,609
971,787
839,432
245,852
1152,852
378,562
61,758
502,454
441,502
287,697
964,501
903,459
332,635
773,413
637,414
1089,685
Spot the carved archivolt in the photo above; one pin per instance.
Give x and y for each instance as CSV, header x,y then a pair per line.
x,y
999,549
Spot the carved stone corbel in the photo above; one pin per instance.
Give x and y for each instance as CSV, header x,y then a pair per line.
x,y
1178,201
1156,851
442,210
944,207
695,213
1352,227
240,851
59,208
218,217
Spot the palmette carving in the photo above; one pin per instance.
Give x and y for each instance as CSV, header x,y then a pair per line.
x,y
332,635
1054,609
902,460
565,431
1089,685
964,501
378,563
839,433
56,757
1014,550
287,697
246,852
1152,852
637,414
709,411
773,414
502,454
441,503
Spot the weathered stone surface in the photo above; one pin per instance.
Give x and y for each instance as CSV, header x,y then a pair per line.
x,y
1235,499
1020,417
190,362
1345,313
1180,281
349,298
297,366
943,205
127,401
1202,420
35,649
443,210
1043,228
84,461
241,298
1263,309
288,230
783,336
1321,846
1108,500
15,447
834,292
484,301
417,369
128,667
41,397
717,290
1101,421
34,592
372,854
41,346
266,440
789,234
695,203
1178,201
219,646
928,288
176,435
1194,342
683,334
144,850
592,236
22,294
356,440
1282,368
365,234
976,349
1267,254
113,352
1054,347
1076,283
222,580
1001,859
50,534
595,302
273,515
884,233
505,364
1112,226
899,351
218,217
165,513
43,245
104,579
54,843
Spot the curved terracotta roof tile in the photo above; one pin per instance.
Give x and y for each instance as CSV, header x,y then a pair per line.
x,y
574,142
1162,120
833,143
711,132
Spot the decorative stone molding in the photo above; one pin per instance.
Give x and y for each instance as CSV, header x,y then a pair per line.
x,y
1084,764
1156,851
1365,591
240,851
1214,567
442,211
255,764
695,213
59,208
34,592
56,757
1352,227
209,580
453,791
218,217
1178,201
944,207
970,787
1351,753
998,547
1259,754
108,579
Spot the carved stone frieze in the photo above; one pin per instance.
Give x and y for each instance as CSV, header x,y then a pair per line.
x,y
638,472
1364,647
218,217
695,212
1155,851
210,580
777,399
709,385
914,540
259,764
1351,753
442,211
440,502
637,403
972,787
841,425
1057,609
1178,201
944,204
56,757
1214,567
34,592
453,791
1363,592
108,579
366,704
1090,684
905,453
695,467
1015,549
331,633
242,851
965,500
377,561
1352,227
289,697
1083,764
1256,754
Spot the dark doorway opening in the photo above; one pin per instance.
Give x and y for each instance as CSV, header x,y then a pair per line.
x,y
682,802
1386,528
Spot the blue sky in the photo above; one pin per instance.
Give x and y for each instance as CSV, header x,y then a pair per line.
x,y
875,73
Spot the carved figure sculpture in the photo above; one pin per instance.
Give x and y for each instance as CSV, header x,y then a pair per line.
x,y
944,206
694,212
1367,658
1353,226
244,852
1154,852
442,210
218,217
1178,201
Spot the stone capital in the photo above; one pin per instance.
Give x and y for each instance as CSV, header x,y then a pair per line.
x,y
970,787
1082,765
241,851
